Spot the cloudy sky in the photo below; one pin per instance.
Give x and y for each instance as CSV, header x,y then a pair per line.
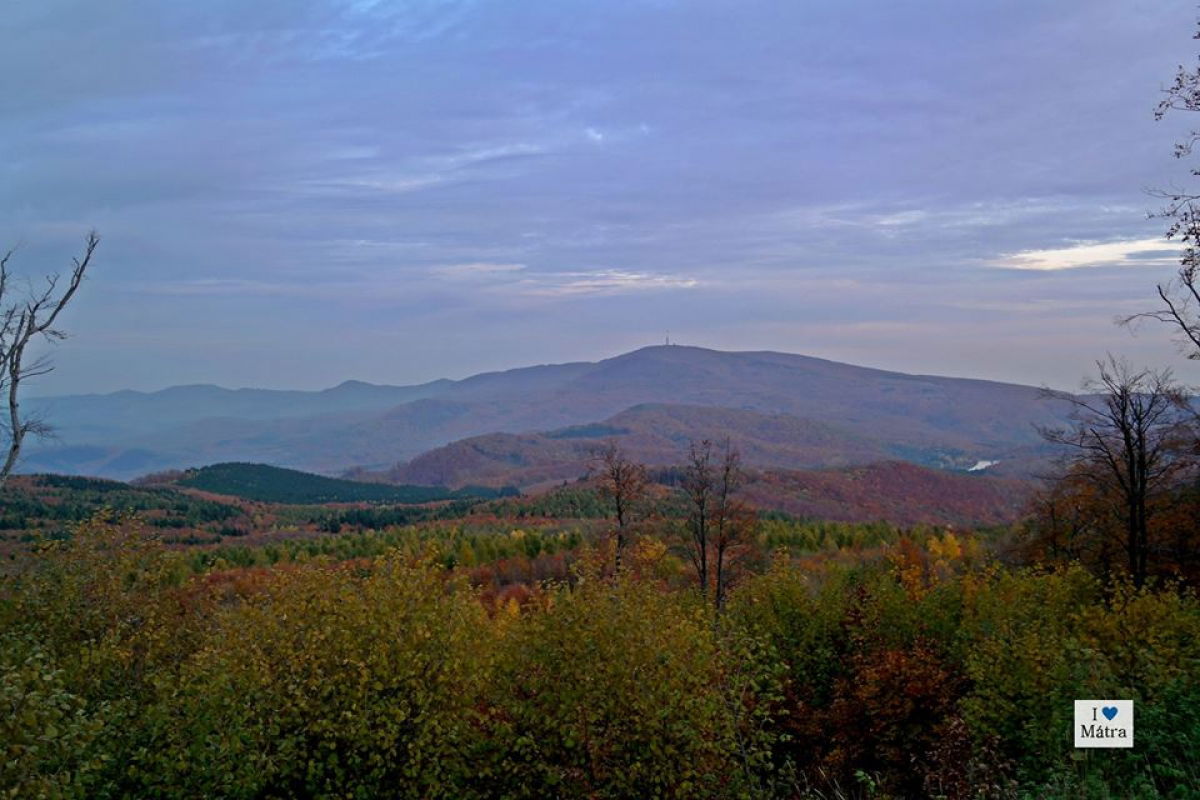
x,y
294,193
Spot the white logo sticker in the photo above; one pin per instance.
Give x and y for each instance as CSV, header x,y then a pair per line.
x,y
1104,723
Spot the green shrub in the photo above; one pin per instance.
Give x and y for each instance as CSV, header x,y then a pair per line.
x,y
47,733
327,682
612,691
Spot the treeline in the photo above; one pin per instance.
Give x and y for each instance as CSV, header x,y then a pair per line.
x,y
447,545
590,500
921,674
270,484
50,503
799,537
570,501
380,517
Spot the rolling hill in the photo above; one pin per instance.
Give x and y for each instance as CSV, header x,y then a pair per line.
x,y
276,485
895,491
655,434
924,419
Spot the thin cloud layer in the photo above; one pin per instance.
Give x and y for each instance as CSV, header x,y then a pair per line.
x,y
397,191
1129,252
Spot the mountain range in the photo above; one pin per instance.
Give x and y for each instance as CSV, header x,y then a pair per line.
x,y
538,424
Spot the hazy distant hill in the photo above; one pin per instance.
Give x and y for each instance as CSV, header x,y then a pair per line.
x,y
654,434
97,418
927,419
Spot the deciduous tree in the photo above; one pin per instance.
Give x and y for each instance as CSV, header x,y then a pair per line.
x,y
623,483
25,316
717,521
1129,440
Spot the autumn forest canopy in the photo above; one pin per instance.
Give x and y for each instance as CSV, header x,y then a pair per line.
x,y
639,633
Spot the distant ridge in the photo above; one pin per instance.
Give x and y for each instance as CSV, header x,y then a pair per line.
x,y
925,419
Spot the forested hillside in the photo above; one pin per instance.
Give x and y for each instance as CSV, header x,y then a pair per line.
x,y
277,485
831,414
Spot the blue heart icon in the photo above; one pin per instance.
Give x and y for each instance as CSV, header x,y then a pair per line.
x,y
1109,712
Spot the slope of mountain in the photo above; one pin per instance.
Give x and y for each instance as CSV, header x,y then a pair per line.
x,y
655,434
926,419
898,492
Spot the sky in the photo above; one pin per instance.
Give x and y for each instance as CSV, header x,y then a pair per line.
x,y
293,193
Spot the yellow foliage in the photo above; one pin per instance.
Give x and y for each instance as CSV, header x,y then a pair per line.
x,y
945,549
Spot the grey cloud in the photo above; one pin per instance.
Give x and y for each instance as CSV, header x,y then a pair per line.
x,y
822,177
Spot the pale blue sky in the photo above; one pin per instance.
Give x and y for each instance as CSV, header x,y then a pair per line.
x,y
296,193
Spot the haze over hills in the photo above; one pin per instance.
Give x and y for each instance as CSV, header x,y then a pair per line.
x,y
787,411
79,417
652,433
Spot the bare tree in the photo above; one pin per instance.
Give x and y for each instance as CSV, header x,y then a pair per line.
x,y
24,317
716,520
732,521
1180,297
623,483
1129,438
699,484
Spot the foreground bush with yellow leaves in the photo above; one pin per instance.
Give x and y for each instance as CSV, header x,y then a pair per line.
x,y
927,672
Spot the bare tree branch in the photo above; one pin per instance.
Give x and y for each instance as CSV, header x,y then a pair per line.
x,y
22,320
623,483
717,521
1130,438
1180,297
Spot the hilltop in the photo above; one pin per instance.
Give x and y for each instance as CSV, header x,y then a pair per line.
x,y
863,414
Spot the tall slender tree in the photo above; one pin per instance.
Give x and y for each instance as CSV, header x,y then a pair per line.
x,y
623,482
717,521
733,520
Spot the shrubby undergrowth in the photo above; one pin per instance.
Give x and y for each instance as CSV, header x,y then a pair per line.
x,y
925,672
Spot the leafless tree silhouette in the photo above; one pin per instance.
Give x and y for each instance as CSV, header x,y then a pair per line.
x,y
1130,437
717,521
1180,297
27,314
